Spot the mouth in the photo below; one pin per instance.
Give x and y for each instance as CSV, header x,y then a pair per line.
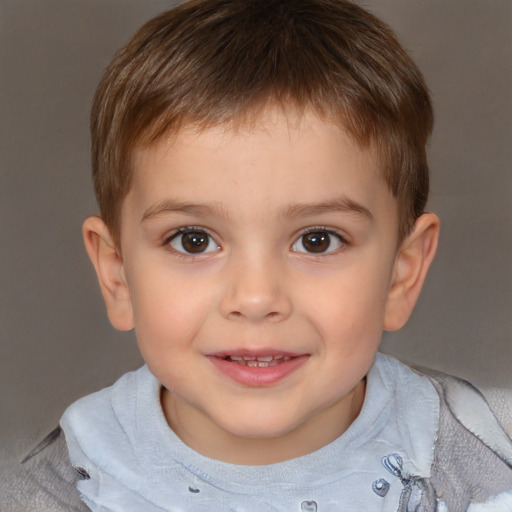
x,y
257,369
258,361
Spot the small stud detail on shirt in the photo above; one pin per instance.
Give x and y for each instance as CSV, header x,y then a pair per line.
x,y
380,487
308,506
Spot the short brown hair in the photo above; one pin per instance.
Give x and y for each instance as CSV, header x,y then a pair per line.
x,y
214,61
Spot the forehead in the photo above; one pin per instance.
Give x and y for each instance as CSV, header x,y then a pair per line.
x,y
264,116
276,158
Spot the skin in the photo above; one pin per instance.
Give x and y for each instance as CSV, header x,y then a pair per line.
x,y
257,285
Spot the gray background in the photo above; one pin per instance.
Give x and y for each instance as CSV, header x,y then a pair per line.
x,y
55,341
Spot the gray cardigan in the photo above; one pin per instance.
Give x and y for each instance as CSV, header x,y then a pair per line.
x,y
472,461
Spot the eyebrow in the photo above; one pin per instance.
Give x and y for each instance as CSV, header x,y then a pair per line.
x,y
171,206
342,205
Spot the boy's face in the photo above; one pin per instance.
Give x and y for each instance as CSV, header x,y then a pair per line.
x,y
259,265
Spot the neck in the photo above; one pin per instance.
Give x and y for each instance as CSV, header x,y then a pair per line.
x,y
207,438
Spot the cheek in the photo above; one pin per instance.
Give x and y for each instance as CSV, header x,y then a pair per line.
x,y
168,310
348,309
167,323
349,295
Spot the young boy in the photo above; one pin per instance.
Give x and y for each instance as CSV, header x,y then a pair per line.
x,y
261,174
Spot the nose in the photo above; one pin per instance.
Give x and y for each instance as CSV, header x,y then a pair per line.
x,y
254,290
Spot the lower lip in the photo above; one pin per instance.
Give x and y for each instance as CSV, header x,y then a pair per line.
x,y
257,376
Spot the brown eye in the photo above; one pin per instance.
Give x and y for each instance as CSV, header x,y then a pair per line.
x,y
318,242
193,242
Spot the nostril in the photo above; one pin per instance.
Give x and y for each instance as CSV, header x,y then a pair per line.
x,y
238,315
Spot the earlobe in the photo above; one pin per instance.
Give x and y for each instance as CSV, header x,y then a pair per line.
x,y
109,267
411,266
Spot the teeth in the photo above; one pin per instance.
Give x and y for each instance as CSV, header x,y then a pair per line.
x,y
259,361
261,364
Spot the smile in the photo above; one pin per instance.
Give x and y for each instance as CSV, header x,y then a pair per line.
x,y
258,361
266,369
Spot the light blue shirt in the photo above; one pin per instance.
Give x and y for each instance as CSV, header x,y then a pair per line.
x,y
136,462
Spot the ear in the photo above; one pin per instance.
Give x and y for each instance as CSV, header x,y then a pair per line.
x,y
412,262
109,267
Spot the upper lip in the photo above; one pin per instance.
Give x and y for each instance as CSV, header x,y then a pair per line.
x,y
254,353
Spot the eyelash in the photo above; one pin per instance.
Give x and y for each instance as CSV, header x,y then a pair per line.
x,y
299,240
184,231
344,243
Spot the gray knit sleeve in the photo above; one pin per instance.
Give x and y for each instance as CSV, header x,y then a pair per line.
x,y
44,481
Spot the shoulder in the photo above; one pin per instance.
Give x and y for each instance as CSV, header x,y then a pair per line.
x,y
44,481
464,403
457,400
116,401
103,424
472,454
